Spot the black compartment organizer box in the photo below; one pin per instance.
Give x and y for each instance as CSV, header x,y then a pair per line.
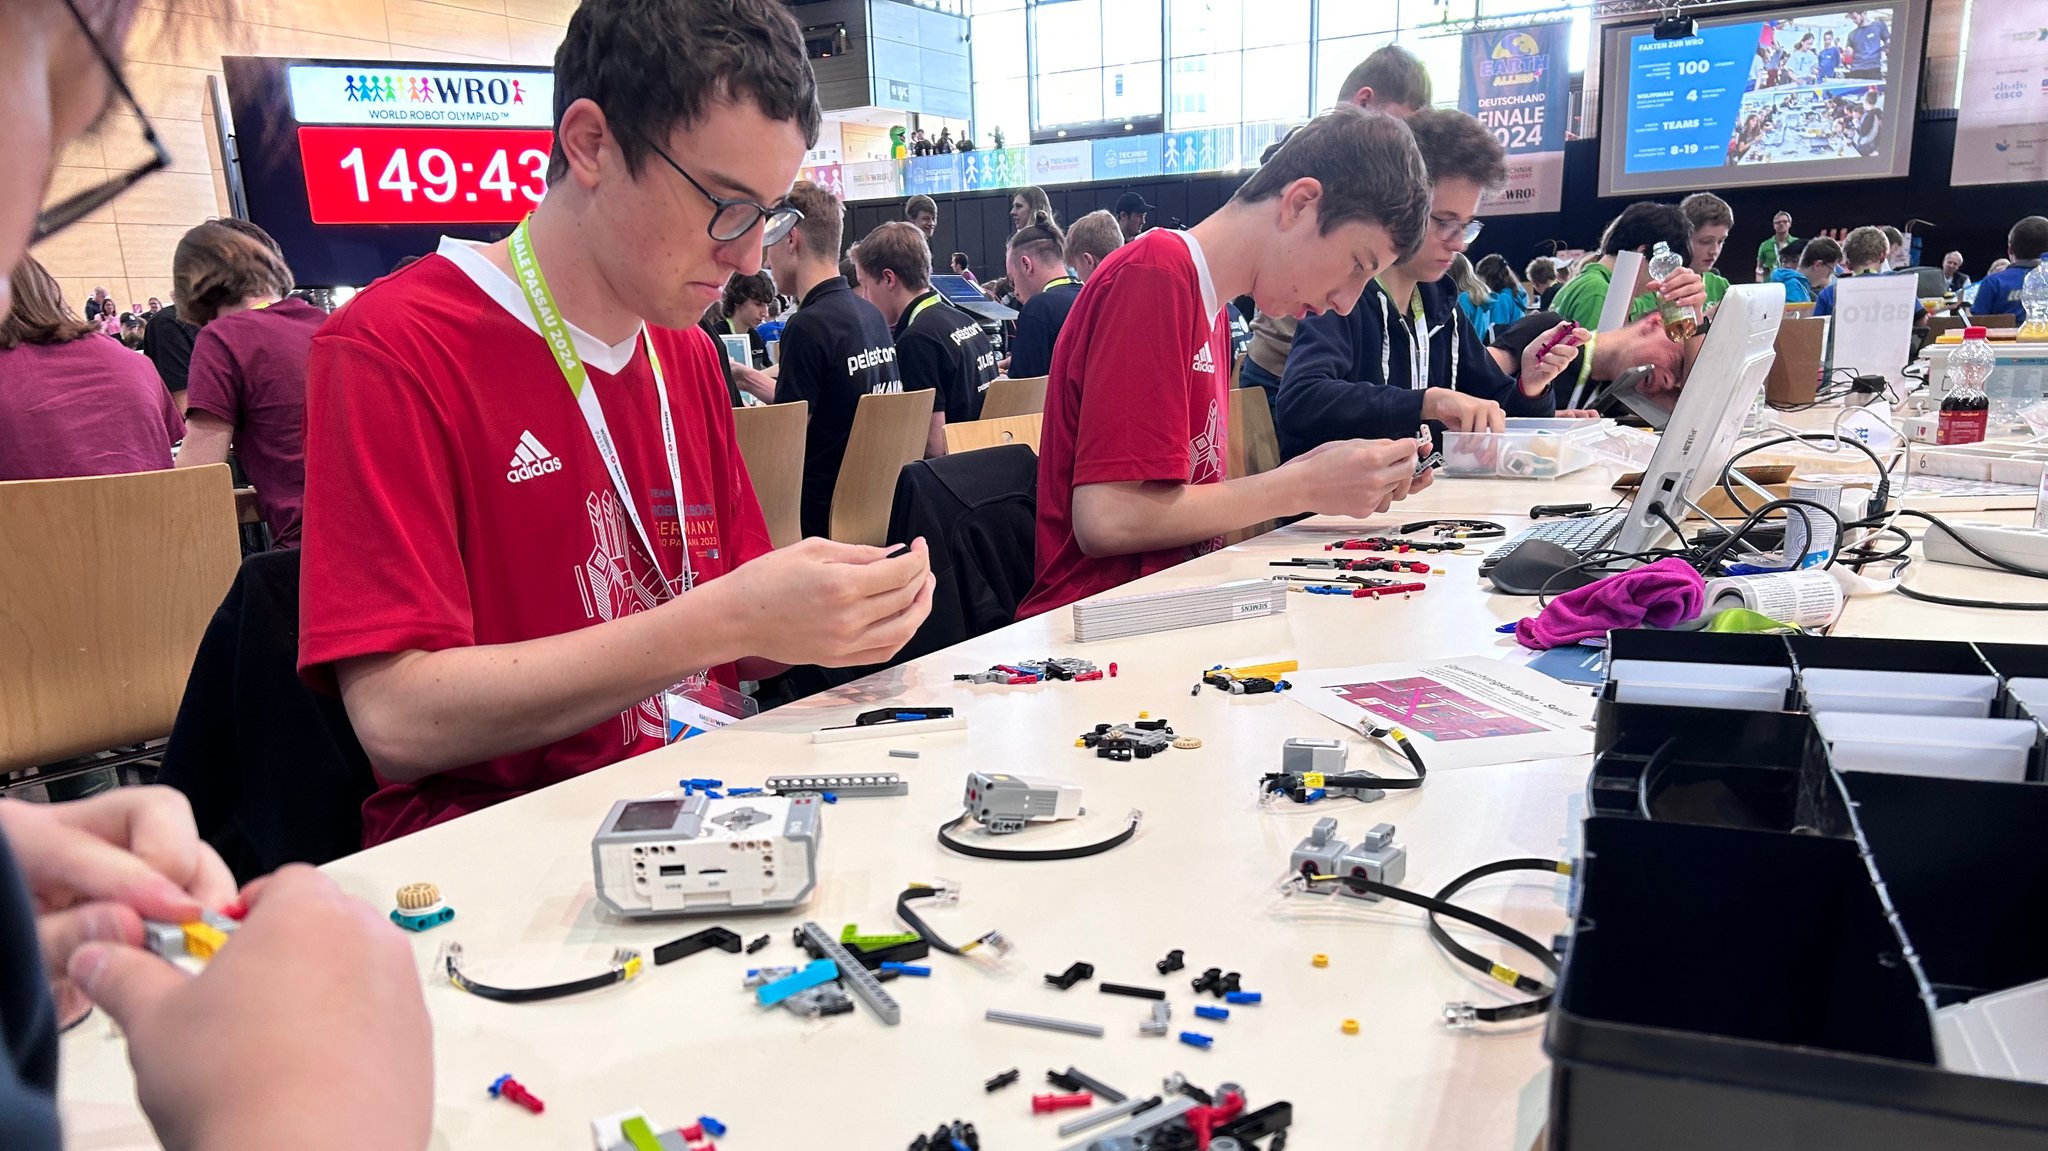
x,y
1812,912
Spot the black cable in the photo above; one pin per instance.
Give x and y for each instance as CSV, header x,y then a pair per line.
x,y
1439,906
1879,498
625,965
1028,855
1714,557
910,918
1284,784
1973,549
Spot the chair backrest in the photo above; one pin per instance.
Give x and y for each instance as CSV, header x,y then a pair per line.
x,y
1800,308
1254,445
889,431
771,439
988,433
106,586
1996,320
1013,398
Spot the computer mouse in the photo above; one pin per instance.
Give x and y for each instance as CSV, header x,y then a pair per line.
x,y
1530,568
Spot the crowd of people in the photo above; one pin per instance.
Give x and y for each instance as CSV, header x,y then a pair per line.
x,y
524,523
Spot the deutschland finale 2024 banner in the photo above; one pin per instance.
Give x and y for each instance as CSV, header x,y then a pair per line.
x,y
1517,82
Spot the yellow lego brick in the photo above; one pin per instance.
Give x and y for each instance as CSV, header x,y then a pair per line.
x,y
1266,670
203,939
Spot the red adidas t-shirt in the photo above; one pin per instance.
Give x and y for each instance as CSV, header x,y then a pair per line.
x,y
1140,390
454,497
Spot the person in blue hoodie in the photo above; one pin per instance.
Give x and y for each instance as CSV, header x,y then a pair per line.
x,y
1798,289
1405,354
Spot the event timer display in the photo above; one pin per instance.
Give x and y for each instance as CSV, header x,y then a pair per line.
x,y
354,165
423,175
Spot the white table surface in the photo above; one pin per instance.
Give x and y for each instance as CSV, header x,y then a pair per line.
x,y
685,1040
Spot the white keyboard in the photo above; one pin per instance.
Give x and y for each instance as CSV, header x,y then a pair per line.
x,y
1582,534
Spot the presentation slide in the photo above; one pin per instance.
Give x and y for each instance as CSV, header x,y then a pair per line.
x,y
1825,92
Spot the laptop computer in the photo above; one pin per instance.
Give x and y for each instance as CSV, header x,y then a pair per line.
x,y
964,295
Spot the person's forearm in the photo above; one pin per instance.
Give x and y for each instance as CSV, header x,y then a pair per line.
x,y
755,383
935,440
421,712
1128,518
203,445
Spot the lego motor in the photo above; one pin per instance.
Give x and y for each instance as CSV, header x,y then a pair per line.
x,y
1007,804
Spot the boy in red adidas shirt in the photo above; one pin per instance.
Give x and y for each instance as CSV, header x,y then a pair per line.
x,y
500,600
1131,460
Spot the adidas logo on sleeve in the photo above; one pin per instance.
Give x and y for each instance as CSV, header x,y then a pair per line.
x,y
1205,360
531,460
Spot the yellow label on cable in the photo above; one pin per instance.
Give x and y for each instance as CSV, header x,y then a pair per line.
x,y
1505,974
1312,779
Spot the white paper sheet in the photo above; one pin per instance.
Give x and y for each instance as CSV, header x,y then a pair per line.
x,y
1471,711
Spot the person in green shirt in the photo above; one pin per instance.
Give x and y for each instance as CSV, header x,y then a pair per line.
x,y
1767,252
1638,229
1711,219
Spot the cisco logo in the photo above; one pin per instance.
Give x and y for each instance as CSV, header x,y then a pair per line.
x,y
2009,90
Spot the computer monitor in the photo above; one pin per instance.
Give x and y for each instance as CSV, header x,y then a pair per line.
x,y
1718,394
962,293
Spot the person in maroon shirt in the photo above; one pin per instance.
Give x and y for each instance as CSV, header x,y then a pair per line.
x,y
71,403
247,383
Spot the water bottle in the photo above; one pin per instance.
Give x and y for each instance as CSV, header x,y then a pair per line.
x,y
1966,409
1680,322
2034,298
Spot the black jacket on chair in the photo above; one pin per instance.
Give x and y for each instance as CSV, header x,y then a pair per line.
x,y
272,768
978,510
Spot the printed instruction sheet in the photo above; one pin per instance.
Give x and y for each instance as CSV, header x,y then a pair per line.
x,y
1471,711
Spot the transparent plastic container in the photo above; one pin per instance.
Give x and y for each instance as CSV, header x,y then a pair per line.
x,y
1530,449
1679,322
2034,298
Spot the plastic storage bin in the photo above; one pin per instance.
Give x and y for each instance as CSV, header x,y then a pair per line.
x,y
1531,449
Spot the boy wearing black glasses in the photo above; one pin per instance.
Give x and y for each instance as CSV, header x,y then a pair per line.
x,y
526,516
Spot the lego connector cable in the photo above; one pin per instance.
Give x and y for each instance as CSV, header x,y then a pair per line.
x,y
1040,855
945,893
626,964
1462,1015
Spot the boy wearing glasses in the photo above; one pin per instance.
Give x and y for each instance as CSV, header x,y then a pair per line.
x,y
530,539
1407,354
1131,476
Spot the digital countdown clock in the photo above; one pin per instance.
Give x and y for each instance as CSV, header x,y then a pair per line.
x,y
355,165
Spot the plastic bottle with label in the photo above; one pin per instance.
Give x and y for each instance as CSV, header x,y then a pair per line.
x,y
1966,409
1680,321
2034,298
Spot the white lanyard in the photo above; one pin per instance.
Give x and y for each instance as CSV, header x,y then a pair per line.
x,y
1419,336
556,334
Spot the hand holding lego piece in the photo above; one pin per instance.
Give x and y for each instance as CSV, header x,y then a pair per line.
x,y
353,1069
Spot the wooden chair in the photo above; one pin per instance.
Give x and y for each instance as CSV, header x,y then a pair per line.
x,y
988,433
1006,398
771,439
1254,447
889,431
106,586
1996,320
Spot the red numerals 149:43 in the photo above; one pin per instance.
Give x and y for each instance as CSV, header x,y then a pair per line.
x,y
423,175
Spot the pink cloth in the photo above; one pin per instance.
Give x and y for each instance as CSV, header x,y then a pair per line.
x,y
1661,594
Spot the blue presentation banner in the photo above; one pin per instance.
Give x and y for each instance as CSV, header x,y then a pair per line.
x,y
986,168
1686,97
1517,82
1200,150
931,175
1129,157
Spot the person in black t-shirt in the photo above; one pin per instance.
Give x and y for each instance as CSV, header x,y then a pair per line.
x,y
835,349
937,345
1038,271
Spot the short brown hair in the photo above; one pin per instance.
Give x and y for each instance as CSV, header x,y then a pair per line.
x,y
38,314
824,221
218,264
1541,270
1368,166
1457,147
897,247
1041,239
1095,234
758,288
918,205
1704,209
1395,76
1866,245
655,64
1819,250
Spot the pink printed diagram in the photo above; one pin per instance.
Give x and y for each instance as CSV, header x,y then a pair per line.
x,y
1428,707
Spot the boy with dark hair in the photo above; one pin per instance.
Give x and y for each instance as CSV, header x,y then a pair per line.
x,y
1393,81
938,346
1131,472
1639,228
1711,219
1407,354
1818,259
1541,276
1798,290
529,518
1037,268
1999,293
835,349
